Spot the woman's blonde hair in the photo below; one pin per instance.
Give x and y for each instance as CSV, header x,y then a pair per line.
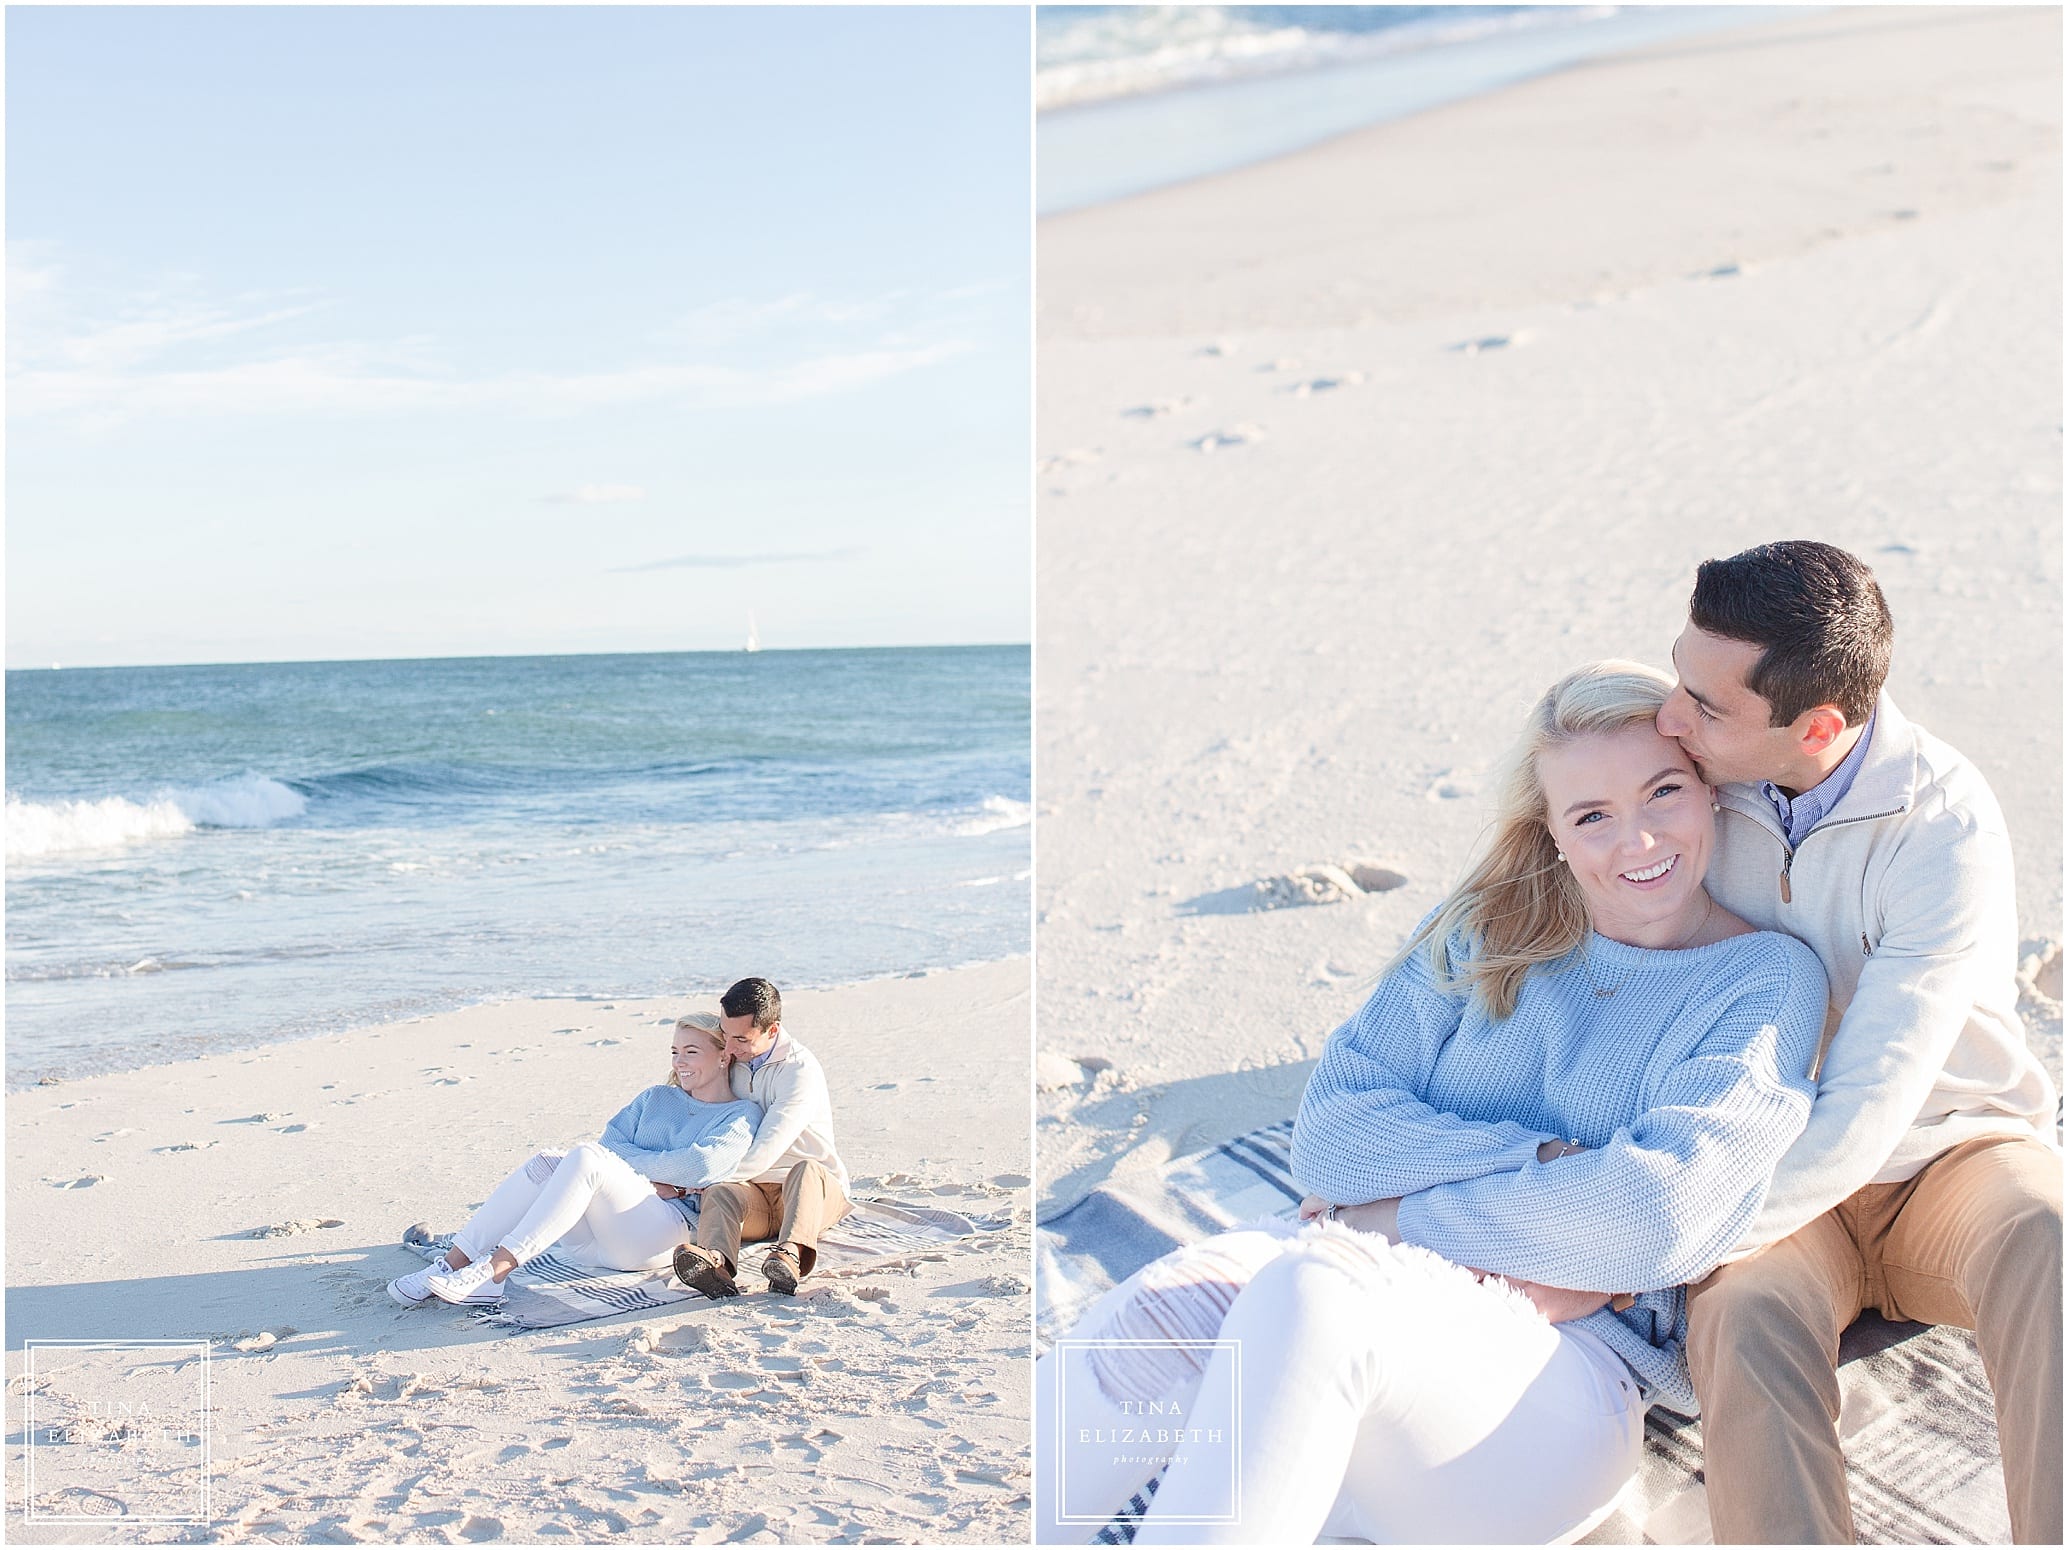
x,y
704,1023
1518,907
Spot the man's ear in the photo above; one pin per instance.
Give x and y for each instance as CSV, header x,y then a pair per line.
x,y
1818,729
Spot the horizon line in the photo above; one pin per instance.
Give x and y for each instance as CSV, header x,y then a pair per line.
x,y
491,656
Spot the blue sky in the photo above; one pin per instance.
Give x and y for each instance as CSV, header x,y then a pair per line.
x,y
369,332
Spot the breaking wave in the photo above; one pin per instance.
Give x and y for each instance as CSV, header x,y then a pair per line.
x,y
38,829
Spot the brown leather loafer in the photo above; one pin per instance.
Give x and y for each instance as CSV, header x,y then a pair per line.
x,y
782,1270
702,1271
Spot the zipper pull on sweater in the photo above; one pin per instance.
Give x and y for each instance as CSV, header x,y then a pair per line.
x,y
1786,897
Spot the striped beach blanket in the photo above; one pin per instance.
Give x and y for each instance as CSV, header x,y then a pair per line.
x,y
549,1291
1918,1424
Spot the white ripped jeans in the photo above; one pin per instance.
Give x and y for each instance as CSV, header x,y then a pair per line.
x,y
1383,1395
589,1203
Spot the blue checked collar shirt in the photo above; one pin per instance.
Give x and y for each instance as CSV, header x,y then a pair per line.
x,y
1807,809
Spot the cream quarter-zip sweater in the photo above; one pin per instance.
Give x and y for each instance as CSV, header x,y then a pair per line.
x,y
797,1114
1904,893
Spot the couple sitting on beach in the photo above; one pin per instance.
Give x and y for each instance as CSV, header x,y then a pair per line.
x,y
736,1146
1597,1072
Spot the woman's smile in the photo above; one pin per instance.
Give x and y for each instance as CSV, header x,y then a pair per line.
x,y
1652,876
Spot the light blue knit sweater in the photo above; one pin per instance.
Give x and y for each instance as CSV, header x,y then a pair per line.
x,y
667,1135
1686,1082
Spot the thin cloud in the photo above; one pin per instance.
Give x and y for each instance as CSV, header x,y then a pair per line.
x,y
971,292
150,334
343,382
737,561
739,317
169,355
596,495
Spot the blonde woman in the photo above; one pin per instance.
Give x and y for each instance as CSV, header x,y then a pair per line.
x,y
1564,1100
621,1203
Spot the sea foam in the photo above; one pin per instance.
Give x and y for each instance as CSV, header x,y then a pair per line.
x,y
1097,53
997,813
36,829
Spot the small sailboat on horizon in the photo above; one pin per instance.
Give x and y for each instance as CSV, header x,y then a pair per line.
x,y
753,635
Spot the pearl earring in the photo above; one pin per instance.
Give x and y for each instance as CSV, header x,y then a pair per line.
x,y
1561,855
1715,807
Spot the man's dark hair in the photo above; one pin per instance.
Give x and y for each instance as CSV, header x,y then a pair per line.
x,y
753,998
1820,616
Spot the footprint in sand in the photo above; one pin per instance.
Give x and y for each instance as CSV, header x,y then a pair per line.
x,y
86,1182
1451,786
1072,457
184,1146
1156,409
1374,877
252,1119
1011,1180
1315,385
1325,883
1240,435
295,1229
1002,1478
687,1340
1487,342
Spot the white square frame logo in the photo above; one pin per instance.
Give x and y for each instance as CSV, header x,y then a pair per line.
x,y
1064,1349
30,1426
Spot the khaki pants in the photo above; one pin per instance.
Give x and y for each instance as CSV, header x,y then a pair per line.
x,y
795,1212
1973,1240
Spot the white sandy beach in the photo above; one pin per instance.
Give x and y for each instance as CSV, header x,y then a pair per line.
x,y
1346,455
257,1199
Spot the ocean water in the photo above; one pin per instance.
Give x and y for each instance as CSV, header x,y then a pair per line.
x,y
1132,98
202,858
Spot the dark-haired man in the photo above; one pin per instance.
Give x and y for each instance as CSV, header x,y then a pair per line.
x,y
1925,1185
791,1185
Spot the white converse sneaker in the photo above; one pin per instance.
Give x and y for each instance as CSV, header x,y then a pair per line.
x,y
410,1290
471,1283
488,1294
